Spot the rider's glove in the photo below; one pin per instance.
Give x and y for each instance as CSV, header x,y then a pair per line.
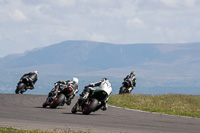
x,y
66,82
86,87
92,84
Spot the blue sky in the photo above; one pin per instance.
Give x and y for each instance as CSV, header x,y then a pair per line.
x,y
29,24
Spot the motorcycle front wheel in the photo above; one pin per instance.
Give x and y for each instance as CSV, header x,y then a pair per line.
x,y
74,109
44,105
19,88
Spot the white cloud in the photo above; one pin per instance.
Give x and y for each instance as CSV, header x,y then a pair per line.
x,y
97,37
178,3
29,24
170,3
190,3
18,15
136,23
64,3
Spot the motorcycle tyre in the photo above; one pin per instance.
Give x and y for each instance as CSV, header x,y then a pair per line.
x,y
44,105
91,107
74,109
19,88
122,90
56,103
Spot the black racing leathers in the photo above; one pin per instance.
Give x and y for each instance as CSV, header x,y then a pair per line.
x,y
131,79
33,77
71,84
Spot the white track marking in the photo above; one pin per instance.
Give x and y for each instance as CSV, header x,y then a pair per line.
x,y
152,112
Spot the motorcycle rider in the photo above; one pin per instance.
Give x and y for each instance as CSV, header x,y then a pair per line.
x,y
89,89
73,84
32,78
131,78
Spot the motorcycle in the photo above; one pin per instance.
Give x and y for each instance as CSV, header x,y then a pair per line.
x,y
64,92
23,85
126,87
93,103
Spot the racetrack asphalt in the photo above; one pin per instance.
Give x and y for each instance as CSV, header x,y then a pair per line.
x,y
25,111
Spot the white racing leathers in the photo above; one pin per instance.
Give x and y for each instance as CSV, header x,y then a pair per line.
x,y
106,86
103,85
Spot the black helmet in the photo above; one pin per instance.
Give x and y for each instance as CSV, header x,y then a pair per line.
x,y
104,79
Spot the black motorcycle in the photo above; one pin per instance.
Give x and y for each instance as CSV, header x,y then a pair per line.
x,y
93,103
64,92
23,85
126,87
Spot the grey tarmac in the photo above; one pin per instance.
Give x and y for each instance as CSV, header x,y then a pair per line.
x,y
25,112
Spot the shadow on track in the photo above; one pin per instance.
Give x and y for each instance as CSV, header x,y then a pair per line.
x,y
49,108
84,114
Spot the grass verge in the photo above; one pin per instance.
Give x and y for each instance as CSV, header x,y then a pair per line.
x,y
183,105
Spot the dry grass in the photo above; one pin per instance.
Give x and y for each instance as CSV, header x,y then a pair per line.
x,y
184,105
13,130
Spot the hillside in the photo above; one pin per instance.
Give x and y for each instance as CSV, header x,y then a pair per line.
x,y
89,54
160,68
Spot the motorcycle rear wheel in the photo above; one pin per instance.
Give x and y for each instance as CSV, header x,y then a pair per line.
x,y
92,105
122,90
59,99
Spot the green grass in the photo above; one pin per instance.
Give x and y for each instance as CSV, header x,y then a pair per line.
x,y
183,105
13,130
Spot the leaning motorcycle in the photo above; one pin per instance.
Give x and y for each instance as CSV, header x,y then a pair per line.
x,y
23,85
60,98
93,103
126,87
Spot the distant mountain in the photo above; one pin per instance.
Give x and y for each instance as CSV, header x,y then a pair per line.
x,y
90,54
157,66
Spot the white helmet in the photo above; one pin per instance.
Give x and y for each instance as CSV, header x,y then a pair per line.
x,y
74,79
35,72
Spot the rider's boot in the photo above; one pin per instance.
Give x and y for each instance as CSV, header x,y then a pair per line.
x,y
79,103
130,89
79,107
104,107
31,84
22,91
68,102
30,87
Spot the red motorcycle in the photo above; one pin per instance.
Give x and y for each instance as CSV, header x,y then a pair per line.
x,y
64,92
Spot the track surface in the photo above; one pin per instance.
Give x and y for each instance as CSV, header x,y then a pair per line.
x,y
25,111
